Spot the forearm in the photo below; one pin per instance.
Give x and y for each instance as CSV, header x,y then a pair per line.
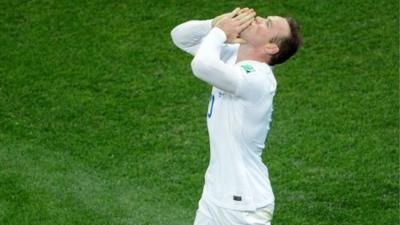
x,y
187,36
208,66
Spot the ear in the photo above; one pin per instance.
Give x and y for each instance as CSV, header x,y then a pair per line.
x,y
271,48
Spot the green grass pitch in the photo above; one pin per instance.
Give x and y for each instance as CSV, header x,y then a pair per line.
x,y
102,122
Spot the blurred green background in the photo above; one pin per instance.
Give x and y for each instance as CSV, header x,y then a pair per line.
x,y
102,122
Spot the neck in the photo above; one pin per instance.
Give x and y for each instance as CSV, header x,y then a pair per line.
x,y
248,52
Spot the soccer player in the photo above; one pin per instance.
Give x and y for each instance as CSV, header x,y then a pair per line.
x,y
234,53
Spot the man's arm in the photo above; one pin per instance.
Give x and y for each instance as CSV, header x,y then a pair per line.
x,y
208,66
187,36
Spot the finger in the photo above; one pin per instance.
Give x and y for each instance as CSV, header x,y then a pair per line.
x,y
245,25
243,10
247,17
234,12
239,41
245,14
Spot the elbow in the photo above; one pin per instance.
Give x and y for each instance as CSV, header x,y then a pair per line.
x,y
177,39
174,35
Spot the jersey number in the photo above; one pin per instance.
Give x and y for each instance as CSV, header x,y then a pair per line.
x,y
210,110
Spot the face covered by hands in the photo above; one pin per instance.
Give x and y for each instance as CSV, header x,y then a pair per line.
x,y
233,23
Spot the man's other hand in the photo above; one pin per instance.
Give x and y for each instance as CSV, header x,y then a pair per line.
x,y
235,22
218,18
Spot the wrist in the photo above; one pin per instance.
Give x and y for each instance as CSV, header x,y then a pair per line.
x,y
214,22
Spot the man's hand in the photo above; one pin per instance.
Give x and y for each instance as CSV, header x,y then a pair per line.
x,y
218,18
235,22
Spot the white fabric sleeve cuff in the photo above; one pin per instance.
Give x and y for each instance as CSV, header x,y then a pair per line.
x,y
219,34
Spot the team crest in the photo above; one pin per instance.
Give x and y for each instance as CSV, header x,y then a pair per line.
x,y
248,68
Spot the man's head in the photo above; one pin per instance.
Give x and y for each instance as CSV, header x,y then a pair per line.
x,y
277,37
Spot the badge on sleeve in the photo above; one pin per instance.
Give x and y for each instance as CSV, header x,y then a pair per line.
x,y
248,68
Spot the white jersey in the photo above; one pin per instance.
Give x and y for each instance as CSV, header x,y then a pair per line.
x,y
238,117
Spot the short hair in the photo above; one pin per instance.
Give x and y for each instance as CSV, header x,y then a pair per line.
x,y
288,45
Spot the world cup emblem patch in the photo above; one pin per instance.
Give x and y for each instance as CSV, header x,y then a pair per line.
x,y
248,68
